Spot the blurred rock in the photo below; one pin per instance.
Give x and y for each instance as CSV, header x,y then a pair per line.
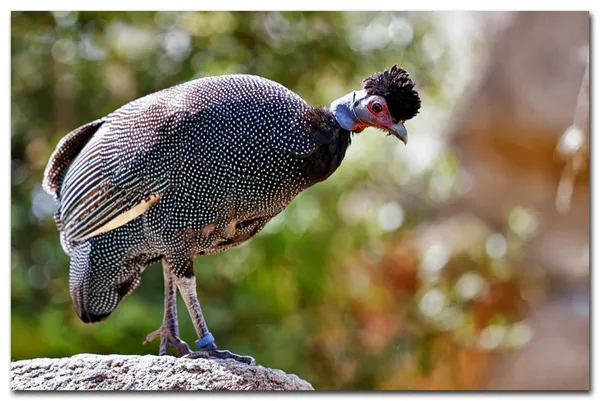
x,y
147,372
506,135
565,364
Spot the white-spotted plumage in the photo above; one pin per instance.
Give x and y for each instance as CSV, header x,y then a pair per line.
x,y
223,151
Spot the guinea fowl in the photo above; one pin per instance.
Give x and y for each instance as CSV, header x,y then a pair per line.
x,y
194,170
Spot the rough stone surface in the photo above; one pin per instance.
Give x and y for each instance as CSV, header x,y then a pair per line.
x,y
147,372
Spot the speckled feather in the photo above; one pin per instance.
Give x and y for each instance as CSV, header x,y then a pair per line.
x,y
223,154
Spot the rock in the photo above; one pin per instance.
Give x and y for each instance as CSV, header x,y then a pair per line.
x,y
147,372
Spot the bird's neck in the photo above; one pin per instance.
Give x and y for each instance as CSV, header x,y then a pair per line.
x,y
332,142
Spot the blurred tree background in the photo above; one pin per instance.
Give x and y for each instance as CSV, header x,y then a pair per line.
x,y
373,279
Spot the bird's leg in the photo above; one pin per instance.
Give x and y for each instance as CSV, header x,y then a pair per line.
x,y
206,342
169,330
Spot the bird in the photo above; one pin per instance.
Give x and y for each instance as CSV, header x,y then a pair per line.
x,y
193,170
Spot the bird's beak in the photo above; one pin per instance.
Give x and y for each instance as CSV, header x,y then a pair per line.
x,y
399,131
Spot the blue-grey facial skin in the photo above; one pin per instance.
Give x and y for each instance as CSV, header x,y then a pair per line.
x,y
342,110
352,113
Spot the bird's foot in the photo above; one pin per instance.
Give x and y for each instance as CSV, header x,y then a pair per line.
x,y
220,354
168,338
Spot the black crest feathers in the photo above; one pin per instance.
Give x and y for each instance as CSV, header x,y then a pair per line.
x,y
398,90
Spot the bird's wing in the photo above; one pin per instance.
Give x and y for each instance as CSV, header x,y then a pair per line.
x,y
67,149
123,169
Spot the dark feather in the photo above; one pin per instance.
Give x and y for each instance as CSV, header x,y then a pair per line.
x,y
332,143
398,90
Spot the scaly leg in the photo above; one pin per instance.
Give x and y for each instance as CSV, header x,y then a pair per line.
x,y
169,330
206,342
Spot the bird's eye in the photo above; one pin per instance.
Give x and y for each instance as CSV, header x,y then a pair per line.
x,y
377,107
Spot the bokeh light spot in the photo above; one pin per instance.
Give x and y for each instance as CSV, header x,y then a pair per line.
x,y
435,258
492,336
64,51
469,285
523,222
495,246
519,335
432,302
390,216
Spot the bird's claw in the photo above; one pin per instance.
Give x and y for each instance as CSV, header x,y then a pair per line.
x,y
168,339
220,354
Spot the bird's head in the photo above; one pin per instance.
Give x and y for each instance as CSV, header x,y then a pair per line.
x,y
386,101
96,292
